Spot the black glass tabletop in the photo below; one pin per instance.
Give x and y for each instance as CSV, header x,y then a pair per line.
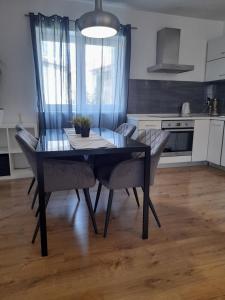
x,y
56,140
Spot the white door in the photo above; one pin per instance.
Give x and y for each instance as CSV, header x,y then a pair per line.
x,y
215,141
200,140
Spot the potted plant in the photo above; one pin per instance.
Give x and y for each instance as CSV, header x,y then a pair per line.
x,y
85,127
77,124
1,114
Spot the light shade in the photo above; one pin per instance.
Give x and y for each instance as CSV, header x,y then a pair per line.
x,y
98,23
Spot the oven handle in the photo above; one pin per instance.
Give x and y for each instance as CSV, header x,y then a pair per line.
x,y
179,129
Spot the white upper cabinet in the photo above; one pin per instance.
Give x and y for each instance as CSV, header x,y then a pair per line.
x,y
215,70
216,48
200,140
215,141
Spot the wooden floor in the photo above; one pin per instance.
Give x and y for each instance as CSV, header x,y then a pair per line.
x,y
185,259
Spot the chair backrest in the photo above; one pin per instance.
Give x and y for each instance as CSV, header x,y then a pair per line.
x,y
126,129
28,149
32,138
156,139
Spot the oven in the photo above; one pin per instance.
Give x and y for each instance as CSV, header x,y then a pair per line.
x,y
181,137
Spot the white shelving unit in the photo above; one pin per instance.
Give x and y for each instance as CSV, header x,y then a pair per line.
x,y
13,163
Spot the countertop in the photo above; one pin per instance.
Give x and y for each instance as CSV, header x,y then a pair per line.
x,y
159,117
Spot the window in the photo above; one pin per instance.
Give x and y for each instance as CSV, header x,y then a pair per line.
x,y
99,74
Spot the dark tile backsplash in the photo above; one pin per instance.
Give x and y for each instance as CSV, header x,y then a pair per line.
x,y
156,96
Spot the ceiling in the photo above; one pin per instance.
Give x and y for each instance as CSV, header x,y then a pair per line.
x,y
206,9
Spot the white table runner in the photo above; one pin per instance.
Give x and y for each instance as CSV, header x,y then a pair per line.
x,y
94,141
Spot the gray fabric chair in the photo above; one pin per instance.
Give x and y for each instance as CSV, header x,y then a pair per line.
x,y
130,173
34,142
60,175
126,129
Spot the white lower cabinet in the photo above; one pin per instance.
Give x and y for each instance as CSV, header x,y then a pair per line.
x,y
200,140
208,140
223,151
143,125
215,141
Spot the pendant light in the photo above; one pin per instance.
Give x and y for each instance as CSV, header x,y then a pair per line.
x,y
98,23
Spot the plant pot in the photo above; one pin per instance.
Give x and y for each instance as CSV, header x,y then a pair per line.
x,y
85,131
77,129
1,115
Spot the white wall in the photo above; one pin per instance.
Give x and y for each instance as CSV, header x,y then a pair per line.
x,y
17,84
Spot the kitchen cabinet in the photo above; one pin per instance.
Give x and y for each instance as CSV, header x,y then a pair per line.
x,y
215,70
215,141
149,125
200,140
216,48
223,151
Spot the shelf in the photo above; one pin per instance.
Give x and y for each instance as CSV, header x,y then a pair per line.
x,y
13,125
15,150
5,178
18,166
4,150
21,173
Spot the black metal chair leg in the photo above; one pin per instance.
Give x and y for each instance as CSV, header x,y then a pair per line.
x,y
47,198
78,195
136,196
154,212
34,198
35,232
90,208
97,196
127,191
31,185
108,212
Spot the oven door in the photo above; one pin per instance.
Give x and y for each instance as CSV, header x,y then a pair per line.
x,y
180,142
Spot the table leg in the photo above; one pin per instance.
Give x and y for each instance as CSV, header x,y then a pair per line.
x,y
147,163
42,207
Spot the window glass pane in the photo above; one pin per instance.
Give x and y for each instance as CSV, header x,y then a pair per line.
x,y
54,64
98,69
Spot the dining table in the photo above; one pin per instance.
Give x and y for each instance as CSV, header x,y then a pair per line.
x,y
55,143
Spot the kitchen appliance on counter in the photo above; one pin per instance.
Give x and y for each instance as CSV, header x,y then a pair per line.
x,y
181,137
213,104
185,110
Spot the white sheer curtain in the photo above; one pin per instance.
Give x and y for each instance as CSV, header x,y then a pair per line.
x,y
101,75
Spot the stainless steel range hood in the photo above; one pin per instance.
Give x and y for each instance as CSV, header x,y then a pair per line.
x,y
167,53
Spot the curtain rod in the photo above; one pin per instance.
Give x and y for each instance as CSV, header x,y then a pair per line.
x,y
133,28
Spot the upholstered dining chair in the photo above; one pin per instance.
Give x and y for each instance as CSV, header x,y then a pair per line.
x,y
130,173
34,141
126,130
60,175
